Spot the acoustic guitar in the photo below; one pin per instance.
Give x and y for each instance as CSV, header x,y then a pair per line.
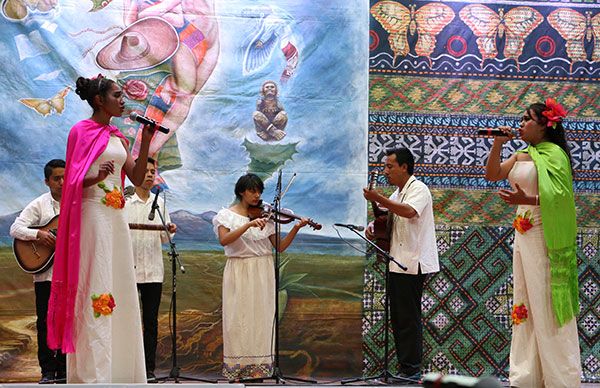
x,y
34,257
380,224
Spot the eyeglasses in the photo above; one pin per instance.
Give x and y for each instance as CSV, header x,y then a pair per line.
x,y
526,118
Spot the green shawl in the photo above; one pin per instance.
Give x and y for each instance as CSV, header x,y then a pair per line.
x,y
557,204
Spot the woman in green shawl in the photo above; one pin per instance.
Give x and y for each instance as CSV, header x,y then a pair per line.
x,y
545,345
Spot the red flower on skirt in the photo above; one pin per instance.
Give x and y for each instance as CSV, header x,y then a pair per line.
x,y
103,304
519,314
523,222
113,198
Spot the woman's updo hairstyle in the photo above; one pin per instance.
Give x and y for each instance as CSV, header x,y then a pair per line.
x,y
88,88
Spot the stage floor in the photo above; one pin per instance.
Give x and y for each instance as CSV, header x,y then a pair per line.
x,y
220,385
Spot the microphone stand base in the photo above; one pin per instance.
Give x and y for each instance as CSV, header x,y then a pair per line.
x,y
277,376
175,376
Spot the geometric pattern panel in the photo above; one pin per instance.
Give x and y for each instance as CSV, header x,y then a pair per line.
x,y
508,40
450,154
466,305
434,95
484,207
439,71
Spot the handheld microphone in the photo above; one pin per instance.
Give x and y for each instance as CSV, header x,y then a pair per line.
x,y
360,228
146,121
493,132
154,205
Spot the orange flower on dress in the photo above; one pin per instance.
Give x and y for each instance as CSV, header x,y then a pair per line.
x,y
114,198
519,314
103,304
523,222
555,112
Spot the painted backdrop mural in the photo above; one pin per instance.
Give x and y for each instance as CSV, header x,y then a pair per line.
x,y
243,86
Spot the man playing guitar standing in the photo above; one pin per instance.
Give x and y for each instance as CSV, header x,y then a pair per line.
x,y
413,244
39,212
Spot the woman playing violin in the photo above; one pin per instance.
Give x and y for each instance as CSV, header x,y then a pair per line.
x,y
249,282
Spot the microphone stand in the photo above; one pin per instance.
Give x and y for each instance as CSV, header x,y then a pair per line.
x,y
174,255
385,373
277,375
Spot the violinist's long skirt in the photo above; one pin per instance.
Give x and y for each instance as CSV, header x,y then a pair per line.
x,y
248,317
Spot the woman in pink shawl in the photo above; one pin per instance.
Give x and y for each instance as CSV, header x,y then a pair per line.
x,y
93,312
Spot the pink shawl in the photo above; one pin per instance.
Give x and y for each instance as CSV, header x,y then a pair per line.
x,y
87,140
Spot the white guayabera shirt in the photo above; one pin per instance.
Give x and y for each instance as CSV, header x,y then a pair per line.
x,y
413,239
147,249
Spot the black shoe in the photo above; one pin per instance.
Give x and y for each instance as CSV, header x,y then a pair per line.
x,y
406,379
47,378
151,377
61,378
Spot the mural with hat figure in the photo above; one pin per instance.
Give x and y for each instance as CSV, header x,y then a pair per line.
x,y
257,86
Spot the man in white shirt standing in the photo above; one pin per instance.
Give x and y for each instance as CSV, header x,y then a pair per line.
x,y
147,253
412,244
39,212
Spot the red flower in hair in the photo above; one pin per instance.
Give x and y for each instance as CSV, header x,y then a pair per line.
x,y
555,112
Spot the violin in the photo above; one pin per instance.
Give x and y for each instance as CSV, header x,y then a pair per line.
x,y
284,216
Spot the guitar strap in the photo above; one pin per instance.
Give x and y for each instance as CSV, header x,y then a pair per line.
x,y
391,216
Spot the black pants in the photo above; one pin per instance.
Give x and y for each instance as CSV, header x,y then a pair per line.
x,y
150,295
50,361
405,313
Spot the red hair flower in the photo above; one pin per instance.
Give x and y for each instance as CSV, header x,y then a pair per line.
x,y
555,112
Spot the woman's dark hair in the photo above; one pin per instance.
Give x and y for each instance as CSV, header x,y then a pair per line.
x,y
248,182
554,134
87,88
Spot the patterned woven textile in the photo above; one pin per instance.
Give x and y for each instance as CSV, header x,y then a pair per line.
x,y
467,305
439,71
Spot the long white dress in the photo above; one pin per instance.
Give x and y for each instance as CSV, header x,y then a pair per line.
x,y
248,300
109,348
541,353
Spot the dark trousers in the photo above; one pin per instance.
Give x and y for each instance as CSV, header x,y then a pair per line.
x,y
405,312
50,361
150,294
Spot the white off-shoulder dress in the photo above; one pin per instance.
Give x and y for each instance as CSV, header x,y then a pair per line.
x,y
248,299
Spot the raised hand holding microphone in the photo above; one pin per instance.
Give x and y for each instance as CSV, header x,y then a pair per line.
x,y
502,133
148,122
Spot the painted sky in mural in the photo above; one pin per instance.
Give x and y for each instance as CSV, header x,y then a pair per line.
x,y
199,67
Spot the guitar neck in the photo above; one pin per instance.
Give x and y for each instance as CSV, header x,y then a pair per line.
x,y
377,211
